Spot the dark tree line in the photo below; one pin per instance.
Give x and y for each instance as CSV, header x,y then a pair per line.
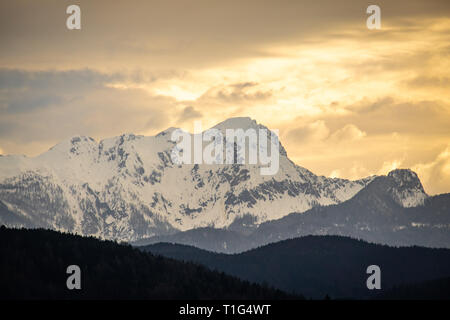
x,y
438,289
319,265
33,266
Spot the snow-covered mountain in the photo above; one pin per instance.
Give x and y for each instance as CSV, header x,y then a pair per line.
x,y
127,188
376,214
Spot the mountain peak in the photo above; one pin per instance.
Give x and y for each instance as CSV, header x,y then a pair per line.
x,y
408,190
167,132
237,123
75,144
405,177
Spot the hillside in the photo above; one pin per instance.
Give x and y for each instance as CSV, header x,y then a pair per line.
x,y
438,289
320,265
34,262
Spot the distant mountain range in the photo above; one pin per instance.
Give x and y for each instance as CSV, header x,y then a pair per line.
x,y
335,266
127,188
373,214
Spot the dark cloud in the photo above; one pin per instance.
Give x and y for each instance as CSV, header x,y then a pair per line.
x,y
237,93
73,79
387,115
23,91
50,105
372,106
311,132
243,85
24,103
175,33
425,81
189,113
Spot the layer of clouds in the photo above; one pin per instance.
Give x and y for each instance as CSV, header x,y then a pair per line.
x,y
424,81
236,93
436,173
375,137
349,132
48,106
174,33
24,91
310,132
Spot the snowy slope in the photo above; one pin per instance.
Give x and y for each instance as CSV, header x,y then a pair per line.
x,y
127,188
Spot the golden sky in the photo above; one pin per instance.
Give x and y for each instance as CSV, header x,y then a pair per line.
x,y
348,101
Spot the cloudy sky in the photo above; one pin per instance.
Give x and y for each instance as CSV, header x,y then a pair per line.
x,y
348,101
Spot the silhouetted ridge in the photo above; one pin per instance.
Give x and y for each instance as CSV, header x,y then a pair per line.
x,y
34,263
321,265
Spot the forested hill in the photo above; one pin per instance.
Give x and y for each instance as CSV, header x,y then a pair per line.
x,y
33,266
438,289
318,266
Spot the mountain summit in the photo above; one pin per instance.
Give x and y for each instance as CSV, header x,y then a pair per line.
x,y
127,188
407,188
